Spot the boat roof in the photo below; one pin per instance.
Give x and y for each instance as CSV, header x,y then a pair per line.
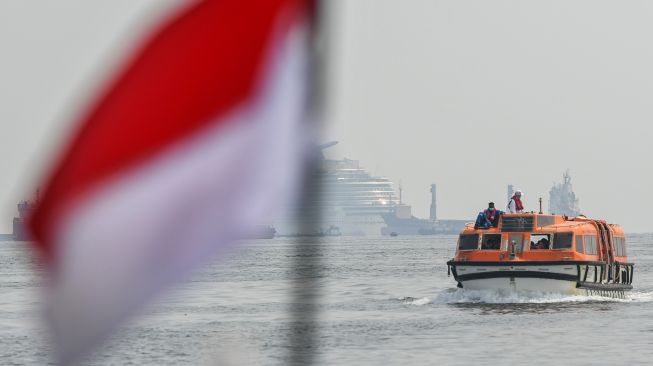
x,y
537,222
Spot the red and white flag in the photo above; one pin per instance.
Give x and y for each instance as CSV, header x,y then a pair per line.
x,y
193,145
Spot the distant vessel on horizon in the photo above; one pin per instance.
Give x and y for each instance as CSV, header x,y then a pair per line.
x,y
401,220
351,200
562,199
331,231
25,210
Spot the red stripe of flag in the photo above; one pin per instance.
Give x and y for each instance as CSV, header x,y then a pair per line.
x,y
198,67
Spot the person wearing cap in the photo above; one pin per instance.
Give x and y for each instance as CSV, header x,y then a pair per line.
x,y
515,205
488,218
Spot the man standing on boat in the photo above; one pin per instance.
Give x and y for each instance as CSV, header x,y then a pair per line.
x,y
515,205
488,218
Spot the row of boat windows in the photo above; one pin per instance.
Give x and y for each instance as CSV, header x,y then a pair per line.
x,y
592,246
587,244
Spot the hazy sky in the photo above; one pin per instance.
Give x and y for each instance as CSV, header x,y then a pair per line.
x,y
470,95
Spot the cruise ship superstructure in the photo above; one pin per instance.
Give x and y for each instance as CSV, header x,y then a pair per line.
x,y
351,199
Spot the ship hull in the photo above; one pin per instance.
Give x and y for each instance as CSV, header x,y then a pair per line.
x,y
20,230
562,278
415,226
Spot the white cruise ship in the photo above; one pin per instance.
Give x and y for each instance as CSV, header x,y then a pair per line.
x,y
351,200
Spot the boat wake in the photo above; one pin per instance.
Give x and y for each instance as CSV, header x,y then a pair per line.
x,y
464,296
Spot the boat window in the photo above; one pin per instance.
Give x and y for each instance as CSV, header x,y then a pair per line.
x,y
545,220
590,245
468,242
562,240
517,223
491,242
579,244
540,241
619,246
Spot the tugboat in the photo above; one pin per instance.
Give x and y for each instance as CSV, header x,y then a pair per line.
x,y
544,253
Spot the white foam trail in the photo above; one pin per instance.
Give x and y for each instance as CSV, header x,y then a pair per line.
x,y
462,296
414,301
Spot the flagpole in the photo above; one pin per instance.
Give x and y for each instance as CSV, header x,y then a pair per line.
x,y
307,260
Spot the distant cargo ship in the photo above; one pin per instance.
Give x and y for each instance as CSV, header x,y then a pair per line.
x,y
562,199
415,226
401,221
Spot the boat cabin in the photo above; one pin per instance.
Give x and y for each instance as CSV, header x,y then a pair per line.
x,y
540,237
544,253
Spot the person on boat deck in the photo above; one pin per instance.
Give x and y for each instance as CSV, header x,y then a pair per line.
x,y
542,244
515,205
488,218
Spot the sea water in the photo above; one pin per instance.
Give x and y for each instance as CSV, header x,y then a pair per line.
x,y
381,300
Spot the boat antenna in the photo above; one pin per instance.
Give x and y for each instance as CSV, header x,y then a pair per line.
x,y
540,205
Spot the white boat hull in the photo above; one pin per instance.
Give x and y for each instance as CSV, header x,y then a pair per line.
x,y
522,284
565,278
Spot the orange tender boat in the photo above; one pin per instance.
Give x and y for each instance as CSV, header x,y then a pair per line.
x,y
544,253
